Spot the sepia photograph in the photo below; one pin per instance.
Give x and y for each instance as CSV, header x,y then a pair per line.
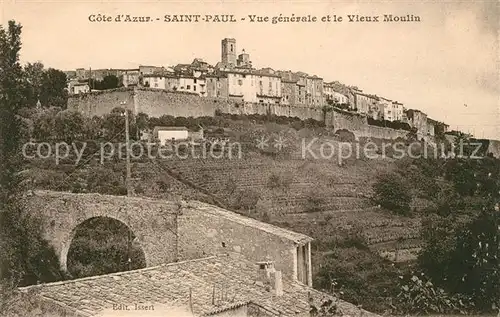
x,y
249,158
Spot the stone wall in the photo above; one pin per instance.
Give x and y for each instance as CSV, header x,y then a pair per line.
x,y
101,103
343,120
371,131
208,231
156,102
358,125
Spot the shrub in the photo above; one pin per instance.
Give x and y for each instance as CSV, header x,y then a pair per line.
x,y
278,182
314,201
464,258
246,200
392,192
419,295
297,125
345,135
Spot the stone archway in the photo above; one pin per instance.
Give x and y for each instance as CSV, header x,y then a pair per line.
x,y
153,222
67,243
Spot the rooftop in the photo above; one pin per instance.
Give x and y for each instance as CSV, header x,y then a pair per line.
x,y
208,285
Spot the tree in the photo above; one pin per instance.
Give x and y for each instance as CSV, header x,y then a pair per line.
x,y
392,192
53,92
108,82
465,258
111,82
34,73
25,256
69,125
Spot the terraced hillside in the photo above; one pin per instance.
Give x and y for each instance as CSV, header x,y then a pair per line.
x,y
291,191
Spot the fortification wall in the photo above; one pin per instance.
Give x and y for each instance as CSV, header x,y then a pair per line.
x,y
381,133
101,103
155,103
339,120
359,126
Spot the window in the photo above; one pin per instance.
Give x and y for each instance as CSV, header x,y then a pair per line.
x,y
231,47
240,82
188,87
194,88
156,85
195,80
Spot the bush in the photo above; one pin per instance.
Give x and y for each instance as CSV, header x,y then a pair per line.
x,y
314,201
278,182
464,258
345,135
418,295
246,200
392,192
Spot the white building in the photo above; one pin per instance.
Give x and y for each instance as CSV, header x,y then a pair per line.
x,y
165,134
242,86
76,87
251,86
392,110
193,84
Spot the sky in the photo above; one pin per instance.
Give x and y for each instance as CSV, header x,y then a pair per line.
x,y
446,65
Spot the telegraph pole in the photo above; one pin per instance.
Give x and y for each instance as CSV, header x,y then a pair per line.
x,y
127,140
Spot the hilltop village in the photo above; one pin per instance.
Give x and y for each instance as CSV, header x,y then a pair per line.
x,y
235,79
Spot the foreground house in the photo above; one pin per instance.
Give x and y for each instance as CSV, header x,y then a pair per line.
x,y
221,285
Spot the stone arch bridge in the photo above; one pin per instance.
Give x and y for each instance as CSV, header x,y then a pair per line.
x,y
152,222
169,231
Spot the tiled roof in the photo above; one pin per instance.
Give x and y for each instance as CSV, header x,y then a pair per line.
x,y
208,285
295,237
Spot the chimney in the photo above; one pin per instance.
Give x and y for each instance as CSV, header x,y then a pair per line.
x,y
277,283
268,276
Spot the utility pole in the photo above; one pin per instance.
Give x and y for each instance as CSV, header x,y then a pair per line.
x,y
127,140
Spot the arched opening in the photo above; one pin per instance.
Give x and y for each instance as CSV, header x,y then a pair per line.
x,y
103,245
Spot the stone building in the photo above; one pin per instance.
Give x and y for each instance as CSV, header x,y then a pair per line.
x,y
244,60
129,77
268,86
228,52
149,70
314,91
289,91
417,119
76,87
330,95
217,85
362,102
391,110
